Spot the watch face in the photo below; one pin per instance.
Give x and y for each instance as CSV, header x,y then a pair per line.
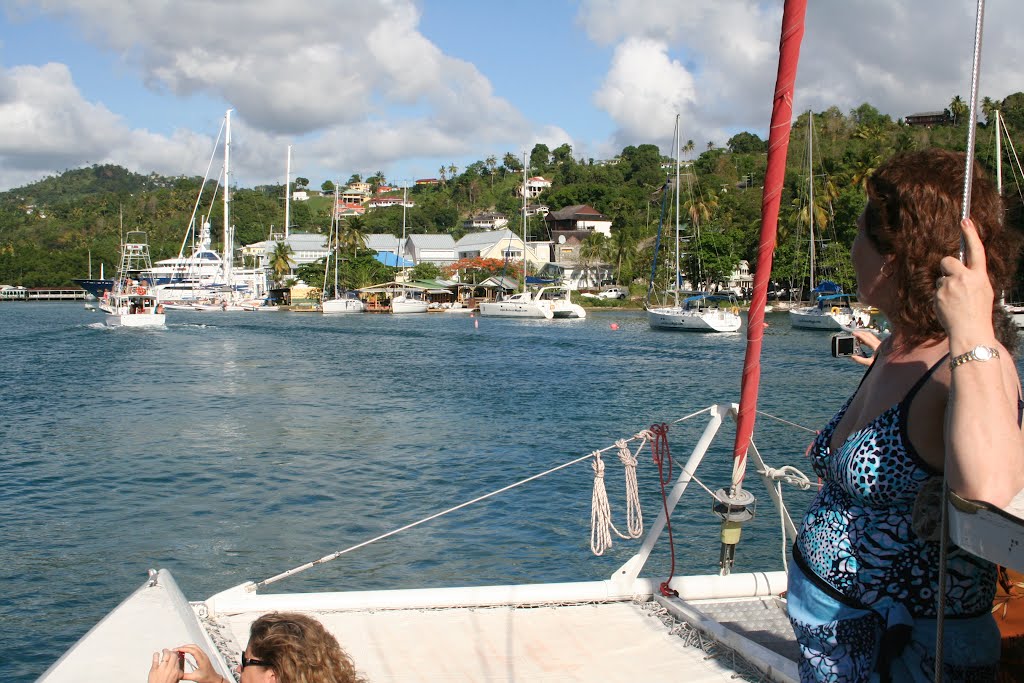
x,y
982,352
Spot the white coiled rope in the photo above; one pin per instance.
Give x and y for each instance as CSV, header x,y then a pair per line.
x,y
601,524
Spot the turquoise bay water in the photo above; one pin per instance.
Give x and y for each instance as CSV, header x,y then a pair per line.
x,y
232,446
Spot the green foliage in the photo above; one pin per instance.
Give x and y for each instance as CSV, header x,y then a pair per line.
x,y
425,271
49,229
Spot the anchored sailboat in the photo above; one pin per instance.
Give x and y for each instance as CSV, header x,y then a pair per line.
x,y
701,312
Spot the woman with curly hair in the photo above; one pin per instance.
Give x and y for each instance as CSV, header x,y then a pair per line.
x,y
942,391
284,647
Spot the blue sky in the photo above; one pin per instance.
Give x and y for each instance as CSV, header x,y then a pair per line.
x,y
405,86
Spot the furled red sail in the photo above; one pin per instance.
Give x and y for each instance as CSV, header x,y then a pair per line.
x,y
778,145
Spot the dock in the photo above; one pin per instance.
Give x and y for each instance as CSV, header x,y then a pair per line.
x,y
41,294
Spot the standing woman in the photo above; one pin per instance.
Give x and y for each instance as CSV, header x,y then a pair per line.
x,y
942,390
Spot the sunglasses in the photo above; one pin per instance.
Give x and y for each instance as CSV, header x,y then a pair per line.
x,y
246,661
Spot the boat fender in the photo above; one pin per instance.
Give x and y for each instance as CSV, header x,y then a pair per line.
x,y
140,290
735,310
835,309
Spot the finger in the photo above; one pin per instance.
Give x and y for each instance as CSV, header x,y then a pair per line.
x,y
868,339
156,660
863,360
974,251
950,265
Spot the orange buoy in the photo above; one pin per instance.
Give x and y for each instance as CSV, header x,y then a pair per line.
x,y
614,326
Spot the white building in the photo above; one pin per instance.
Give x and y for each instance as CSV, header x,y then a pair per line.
x,y
438,249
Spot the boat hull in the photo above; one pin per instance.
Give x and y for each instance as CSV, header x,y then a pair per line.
x,y
816,319
333,306
516,309
693,321
409,306
135,319
568,310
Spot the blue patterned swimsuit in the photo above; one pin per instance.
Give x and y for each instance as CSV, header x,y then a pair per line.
x,y
862,598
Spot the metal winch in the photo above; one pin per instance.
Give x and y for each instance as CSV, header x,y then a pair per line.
x,y
733,507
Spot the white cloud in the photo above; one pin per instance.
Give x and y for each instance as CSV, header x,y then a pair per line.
x,y
900,56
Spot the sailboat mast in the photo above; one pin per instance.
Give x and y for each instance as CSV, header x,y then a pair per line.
x,y
999,155
405,201
287,191
677,139
810,177
337,240
228,238
524,220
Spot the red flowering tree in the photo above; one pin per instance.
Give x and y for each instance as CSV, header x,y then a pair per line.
x,y
479,269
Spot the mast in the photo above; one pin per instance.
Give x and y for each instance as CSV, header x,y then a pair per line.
x,y
999,155
810,204
778,145
524,221
677,138
229,247
405,200
287,191
337,240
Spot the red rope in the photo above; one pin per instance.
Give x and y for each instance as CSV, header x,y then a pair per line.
x,y
663,458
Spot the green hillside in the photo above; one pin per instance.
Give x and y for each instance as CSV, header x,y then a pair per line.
x,y
49,228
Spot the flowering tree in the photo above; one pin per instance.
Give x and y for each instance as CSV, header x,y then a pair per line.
x,y
478,269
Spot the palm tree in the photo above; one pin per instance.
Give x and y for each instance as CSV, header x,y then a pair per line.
x,y
453,170
700,207
958,108
989,108
711,145
688,147
441,173
351,237
492,164
281,261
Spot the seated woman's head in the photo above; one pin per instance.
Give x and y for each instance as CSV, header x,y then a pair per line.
x,y
293,648
912,219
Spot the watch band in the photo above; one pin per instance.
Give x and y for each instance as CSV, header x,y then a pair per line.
x,y
979,353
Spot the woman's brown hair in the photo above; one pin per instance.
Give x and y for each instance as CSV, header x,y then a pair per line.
x,y
913,214
300,650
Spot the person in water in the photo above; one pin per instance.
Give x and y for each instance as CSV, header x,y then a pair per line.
x,y
941,391
283,647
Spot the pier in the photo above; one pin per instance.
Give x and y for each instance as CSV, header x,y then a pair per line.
x,y
41,294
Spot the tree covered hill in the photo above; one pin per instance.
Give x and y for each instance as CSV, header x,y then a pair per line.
x,y
49,229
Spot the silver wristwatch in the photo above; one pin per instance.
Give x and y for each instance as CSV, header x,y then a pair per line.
x,y
979,353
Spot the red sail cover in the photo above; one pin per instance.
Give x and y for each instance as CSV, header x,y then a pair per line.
x,y
778,146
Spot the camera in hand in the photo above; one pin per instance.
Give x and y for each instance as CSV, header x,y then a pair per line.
x,y
844,345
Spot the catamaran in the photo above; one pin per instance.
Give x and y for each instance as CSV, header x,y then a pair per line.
x,y
624,627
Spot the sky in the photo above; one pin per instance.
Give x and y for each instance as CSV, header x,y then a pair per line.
x,y
408,86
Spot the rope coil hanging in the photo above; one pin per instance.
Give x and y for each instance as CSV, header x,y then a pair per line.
x,y
601,524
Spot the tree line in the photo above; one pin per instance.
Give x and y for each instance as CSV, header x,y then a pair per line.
x,y
51,228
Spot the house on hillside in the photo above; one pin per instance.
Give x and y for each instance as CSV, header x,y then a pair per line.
x,y
352,196
428,181
504,245
486,221
385,202
438,249
928,119
578,218
534,186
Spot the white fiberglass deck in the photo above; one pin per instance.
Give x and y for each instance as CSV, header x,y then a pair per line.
x,y
595,642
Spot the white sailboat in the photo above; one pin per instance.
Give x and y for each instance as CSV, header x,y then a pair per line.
x,y
701,312
205,279
339,300
131,303
407,299
523,304
832,310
